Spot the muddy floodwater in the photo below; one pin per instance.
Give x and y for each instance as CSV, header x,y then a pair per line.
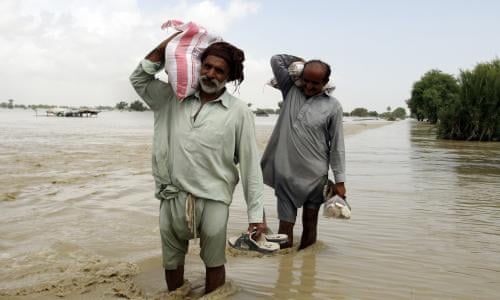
x,y
78,218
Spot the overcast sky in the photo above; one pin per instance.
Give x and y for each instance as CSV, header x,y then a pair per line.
x,y
69,52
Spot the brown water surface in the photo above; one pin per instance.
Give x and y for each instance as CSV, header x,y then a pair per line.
x,y
78,219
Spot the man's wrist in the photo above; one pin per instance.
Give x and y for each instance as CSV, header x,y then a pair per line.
x,y
157,55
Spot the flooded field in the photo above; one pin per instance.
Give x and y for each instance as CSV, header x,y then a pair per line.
x,y
78,218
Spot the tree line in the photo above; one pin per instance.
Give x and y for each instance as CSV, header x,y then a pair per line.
x,y
10,105
396,114
390,115
464,108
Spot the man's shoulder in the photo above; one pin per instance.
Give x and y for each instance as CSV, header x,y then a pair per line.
x,y
236,103
332,100
330,103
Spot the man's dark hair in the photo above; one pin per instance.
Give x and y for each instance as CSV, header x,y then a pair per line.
x,y
232,55
326,66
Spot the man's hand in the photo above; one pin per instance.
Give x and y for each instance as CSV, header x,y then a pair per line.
x,y
259,228
339,189
158,53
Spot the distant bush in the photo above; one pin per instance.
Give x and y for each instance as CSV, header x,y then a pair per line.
x,y
373,113
433,91
137,106
399,113
359,112
475,113
121,105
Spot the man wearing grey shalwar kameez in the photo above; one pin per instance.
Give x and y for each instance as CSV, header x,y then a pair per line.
x,y
307,140
200,147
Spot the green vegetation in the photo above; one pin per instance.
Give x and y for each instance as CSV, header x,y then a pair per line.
x,y
262,112
121,105
433,91
475,113
464,109
399,113
10,105
137,106
359,112
373,114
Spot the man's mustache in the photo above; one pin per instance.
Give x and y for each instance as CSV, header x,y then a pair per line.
x,y
208,81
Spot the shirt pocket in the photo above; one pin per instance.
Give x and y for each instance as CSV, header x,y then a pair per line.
x,y
315,120
211,140
210,135
314,130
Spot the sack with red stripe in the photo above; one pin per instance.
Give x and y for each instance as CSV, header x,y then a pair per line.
x,y
182,56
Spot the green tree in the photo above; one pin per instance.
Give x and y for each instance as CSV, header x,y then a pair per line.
x,y
137,106
359,112
261,112
121,105
387,116
373,113
432,92
11,104
399,113
475,112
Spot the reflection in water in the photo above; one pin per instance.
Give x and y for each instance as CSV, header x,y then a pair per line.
x,y
296,276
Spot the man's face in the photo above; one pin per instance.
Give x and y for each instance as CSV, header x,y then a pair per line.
x,y
313,78
213,75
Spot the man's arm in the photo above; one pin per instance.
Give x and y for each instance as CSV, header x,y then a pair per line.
x,y
153,91
251,174
158,54
279,64
337,151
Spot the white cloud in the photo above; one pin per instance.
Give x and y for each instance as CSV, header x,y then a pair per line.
x,y
81,52
215,17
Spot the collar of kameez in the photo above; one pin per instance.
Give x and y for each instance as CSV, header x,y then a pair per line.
x,y
224,99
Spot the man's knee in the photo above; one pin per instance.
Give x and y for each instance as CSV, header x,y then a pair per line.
x,y
212,229
213,248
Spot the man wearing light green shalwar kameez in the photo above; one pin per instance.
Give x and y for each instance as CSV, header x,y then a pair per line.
x,y
197,146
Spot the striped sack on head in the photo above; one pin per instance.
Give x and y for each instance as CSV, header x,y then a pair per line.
x,y
182,56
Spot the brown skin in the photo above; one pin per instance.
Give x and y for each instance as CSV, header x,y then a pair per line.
x,y
174,278
286,228
339,189
213,67
217,68
158,53
314,79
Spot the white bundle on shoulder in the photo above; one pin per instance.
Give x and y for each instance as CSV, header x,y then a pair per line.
x,y
295,72
182,55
